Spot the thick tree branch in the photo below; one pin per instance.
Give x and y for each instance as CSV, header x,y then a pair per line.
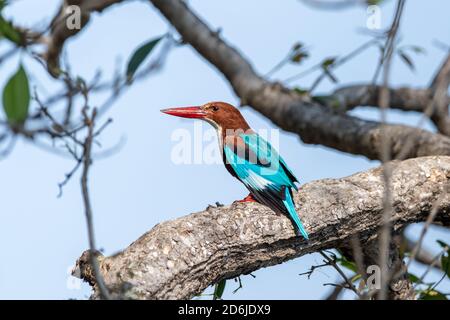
x,y
433,101
404,98
314,123
180,258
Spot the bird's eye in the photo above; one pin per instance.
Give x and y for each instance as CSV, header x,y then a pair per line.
x,y
214,108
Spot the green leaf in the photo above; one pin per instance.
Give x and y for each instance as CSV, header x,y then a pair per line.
x,y
2,5
8,31
373,2
299,57
297,46
432,295
417,49
407,60
413,278
81,84
329,101
350,265
298,53
301,91
139,56
328,62
219,288
16,97
443,244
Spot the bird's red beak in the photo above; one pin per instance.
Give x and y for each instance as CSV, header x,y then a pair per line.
x,y
186,112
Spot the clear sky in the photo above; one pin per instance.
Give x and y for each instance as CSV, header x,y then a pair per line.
x,y
42,235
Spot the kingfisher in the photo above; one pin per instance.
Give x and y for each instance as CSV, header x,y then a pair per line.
x,y
249,158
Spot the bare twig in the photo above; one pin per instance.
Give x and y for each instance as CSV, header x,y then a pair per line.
x,y
358,256
9,147
349,284
433,263
313,268
334,295
423,256
8,54
336,64
434,286
238,279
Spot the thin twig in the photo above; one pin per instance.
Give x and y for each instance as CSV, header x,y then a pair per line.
x,y
87,204
430,219
358,255
334,295
385,233
350,285
238,279
433,263
434,286
338,63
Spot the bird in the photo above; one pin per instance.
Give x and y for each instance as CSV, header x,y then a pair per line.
x,y
249,158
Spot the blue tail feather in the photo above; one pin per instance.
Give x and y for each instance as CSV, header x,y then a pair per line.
x,y
289,204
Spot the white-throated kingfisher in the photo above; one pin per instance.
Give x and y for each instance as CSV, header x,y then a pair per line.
x,y
249,158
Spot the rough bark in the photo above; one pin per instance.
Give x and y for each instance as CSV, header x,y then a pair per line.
x,y
180,258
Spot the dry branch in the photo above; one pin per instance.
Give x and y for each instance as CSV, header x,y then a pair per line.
x,y
180,258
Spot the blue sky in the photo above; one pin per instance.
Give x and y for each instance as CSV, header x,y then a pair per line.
x,y
42,235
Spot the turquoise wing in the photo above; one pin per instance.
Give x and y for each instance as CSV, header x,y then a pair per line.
x,y
265,151
261,169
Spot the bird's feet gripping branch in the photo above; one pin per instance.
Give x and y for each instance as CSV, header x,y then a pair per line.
x,y
248,198
249,158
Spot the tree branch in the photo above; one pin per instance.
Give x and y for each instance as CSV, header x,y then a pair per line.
x,y
87,161
404,98
314,123
439,89
59,32
180,258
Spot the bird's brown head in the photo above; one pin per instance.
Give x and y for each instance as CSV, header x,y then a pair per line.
x,y
219,114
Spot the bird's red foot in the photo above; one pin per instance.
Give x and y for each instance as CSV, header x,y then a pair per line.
x,y
248,198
